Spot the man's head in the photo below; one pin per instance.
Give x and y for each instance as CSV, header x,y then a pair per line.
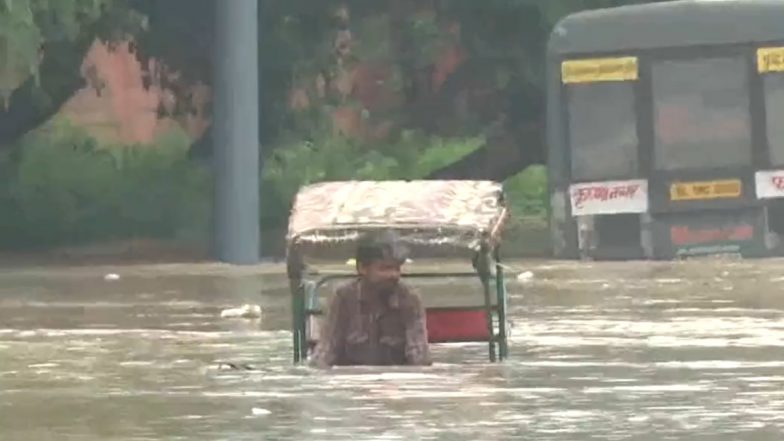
x,y
379,259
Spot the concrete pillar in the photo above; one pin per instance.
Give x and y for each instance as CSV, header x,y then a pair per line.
x,y
236,133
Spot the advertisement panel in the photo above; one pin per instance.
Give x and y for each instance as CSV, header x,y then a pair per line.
x,y
770,59
609,197
599,69
769,184
707,233
706,190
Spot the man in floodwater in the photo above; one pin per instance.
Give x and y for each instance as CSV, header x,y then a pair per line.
x,y
375,319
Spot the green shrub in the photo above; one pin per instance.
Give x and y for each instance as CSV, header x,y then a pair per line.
x,y
61,187
418,155
527,193
300,163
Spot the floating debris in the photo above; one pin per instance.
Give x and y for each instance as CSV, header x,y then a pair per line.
x,y
229,366
258,411
353,262
111,277
245,311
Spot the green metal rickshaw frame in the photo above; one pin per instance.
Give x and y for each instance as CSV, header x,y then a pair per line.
x,y
305,283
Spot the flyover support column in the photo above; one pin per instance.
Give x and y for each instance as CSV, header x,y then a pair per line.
x,y
236,133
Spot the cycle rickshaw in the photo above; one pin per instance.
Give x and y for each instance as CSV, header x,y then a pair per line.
x,y
433,218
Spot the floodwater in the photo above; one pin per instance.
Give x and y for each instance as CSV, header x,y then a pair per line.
x,y
605,351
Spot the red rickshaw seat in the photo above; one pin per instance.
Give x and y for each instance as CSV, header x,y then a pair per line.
x,y
449,324
457,325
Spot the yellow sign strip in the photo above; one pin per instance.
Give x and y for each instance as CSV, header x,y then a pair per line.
x,y
599,69
694,191
770,59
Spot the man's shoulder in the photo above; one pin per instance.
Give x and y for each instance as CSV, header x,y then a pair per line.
x,y
407,290
408,295
347,290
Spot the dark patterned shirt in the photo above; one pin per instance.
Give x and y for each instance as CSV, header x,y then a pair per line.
x,y
358,331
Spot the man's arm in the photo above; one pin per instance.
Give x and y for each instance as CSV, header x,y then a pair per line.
x,y
417,348
328,349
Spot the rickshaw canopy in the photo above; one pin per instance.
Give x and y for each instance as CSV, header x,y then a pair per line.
x,y
437,213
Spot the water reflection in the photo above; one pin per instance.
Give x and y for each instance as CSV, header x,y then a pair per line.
x,y
649,351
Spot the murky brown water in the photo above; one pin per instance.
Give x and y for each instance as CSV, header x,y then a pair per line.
x,y
644,351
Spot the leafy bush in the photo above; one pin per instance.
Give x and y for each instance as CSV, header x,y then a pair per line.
x,y
418,155
300,163
527,193
61,187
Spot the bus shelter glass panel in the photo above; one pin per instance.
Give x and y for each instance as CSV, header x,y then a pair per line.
x,y
774,111
602,131
702,114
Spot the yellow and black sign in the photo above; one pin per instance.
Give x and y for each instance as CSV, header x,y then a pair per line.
x,y
695,191
599,69
770,59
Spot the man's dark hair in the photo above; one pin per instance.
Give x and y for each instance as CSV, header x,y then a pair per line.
x,y
380,245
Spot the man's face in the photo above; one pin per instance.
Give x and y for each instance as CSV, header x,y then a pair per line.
x,y
381,274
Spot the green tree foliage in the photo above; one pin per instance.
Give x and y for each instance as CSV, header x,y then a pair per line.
x,y
25,25
42,45
487,109
505,40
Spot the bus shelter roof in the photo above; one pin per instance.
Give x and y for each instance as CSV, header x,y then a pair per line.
x,y
668,24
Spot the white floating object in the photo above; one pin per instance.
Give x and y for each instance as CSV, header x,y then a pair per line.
x,y
353,262
111,277
245,311
258,411
525,276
